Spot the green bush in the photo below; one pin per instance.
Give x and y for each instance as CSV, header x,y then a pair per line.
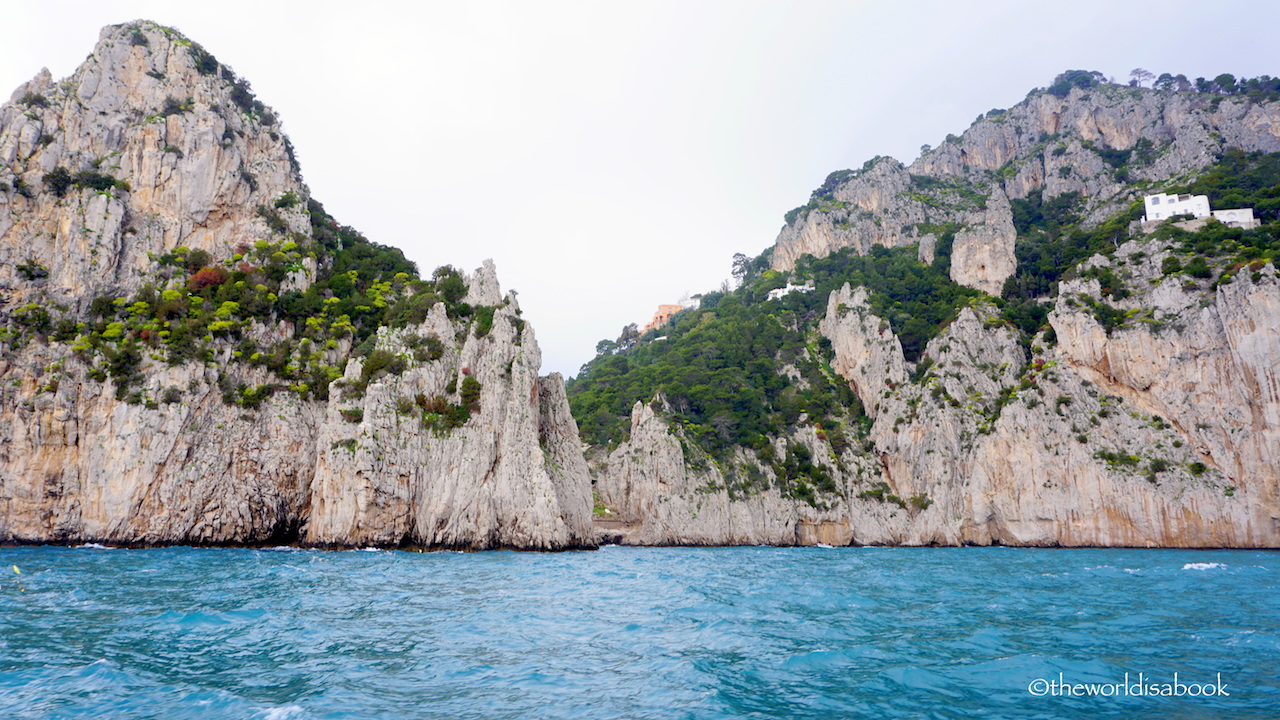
x,y
1115,458
1110,318
33,318
31,269
1199,268
429,349
242,95
412,310
471,393
58,180
252,397
360,287
205,63
1084,79
65,330
98,181
123,363
449,285
197,259
484,321
174,106
273,220
380,362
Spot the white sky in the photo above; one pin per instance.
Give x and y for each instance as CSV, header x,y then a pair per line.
x,y
612,156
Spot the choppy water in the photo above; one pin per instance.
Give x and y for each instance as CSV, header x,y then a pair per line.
x,y
632,633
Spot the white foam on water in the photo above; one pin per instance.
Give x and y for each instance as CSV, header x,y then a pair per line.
x,y
95,546
284,713
1202,566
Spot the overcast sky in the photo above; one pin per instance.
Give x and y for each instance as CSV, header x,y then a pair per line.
x,y
612,156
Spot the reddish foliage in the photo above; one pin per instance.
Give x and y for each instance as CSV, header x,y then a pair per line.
x,y
466,371
207,276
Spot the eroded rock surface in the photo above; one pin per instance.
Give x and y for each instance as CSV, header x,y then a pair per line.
x,y
166,155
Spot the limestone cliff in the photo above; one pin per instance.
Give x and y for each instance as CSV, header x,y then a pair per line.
x,y
193,351
1040,369
191,151
506,478
1159,434
983,254
1099,142
661,491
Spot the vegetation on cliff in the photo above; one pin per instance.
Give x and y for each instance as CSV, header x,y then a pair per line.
x,y
742,370
197,308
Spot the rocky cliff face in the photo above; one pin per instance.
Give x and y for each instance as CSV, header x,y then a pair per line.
x,y
982,256
867,353
1097,142
1143,413
1161,433
169,375
512,476
660,491
193,152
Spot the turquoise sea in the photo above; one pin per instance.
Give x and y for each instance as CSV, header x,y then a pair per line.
x,y
638,633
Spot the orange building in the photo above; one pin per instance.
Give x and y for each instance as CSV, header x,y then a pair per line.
x,y
660,318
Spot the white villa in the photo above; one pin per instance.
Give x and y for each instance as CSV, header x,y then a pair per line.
x,y
779,292
1162,207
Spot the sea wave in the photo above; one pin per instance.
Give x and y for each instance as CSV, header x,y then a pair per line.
x,y
717,633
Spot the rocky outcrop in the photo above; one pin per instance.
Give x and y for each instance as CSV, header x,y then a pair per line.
x,y
437,433
1159,429
660,490
193,165
867,353
982,256
386,475
367,468
77,465
878,205
1161,433
1096,142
